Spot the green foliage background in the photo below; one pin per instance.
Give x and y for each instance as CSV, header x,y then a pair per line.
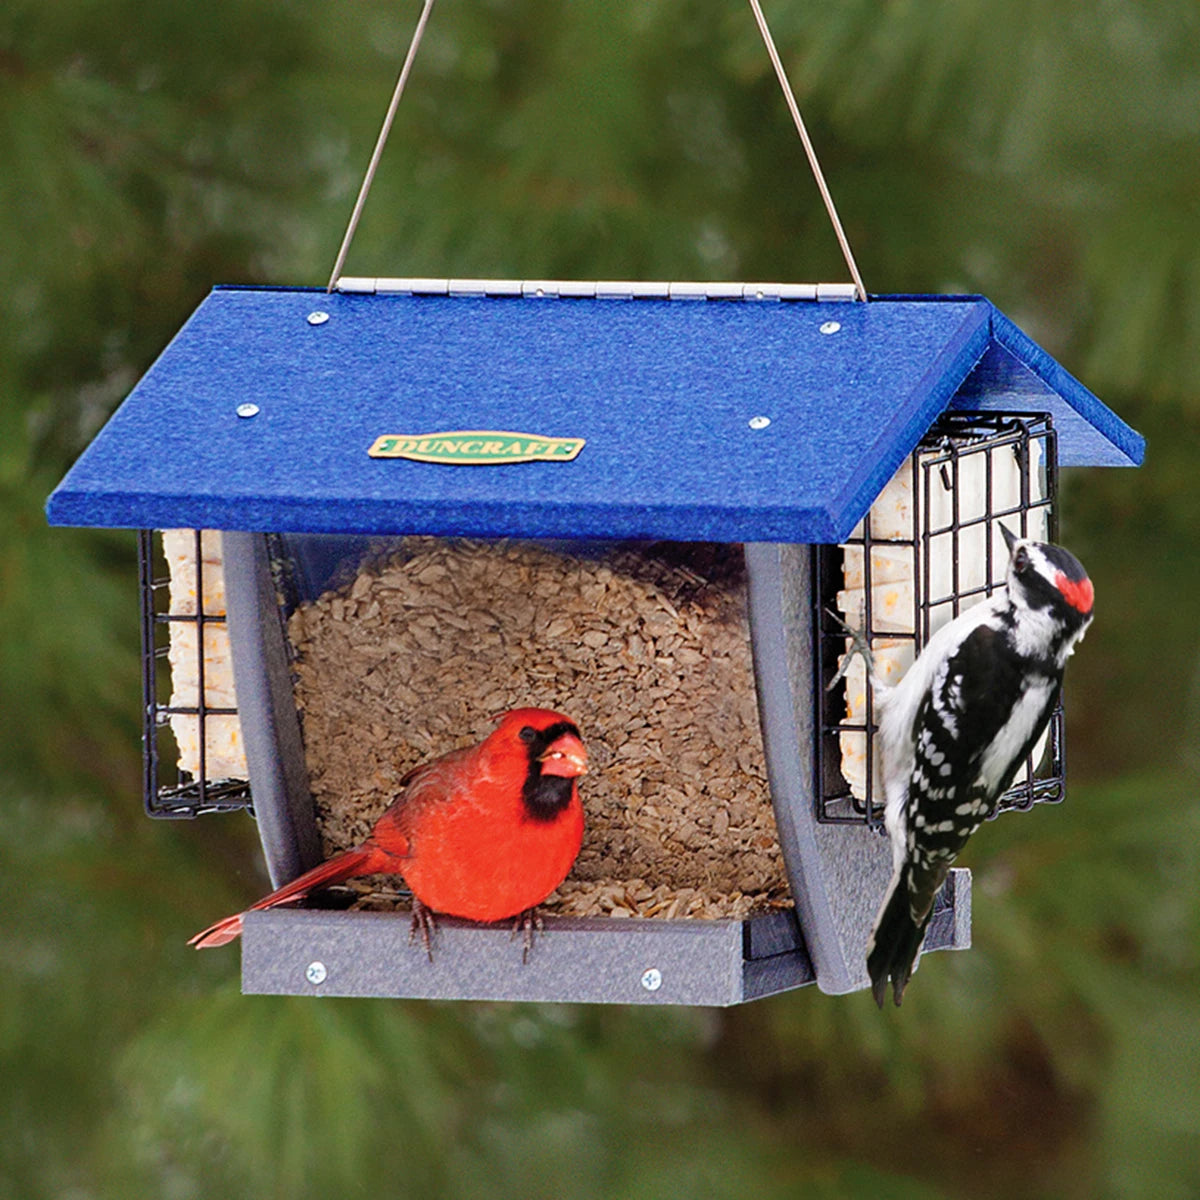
x,y
1047,155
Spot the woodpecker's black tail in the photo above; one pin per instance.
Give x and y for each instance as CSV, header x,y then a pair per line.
x,y
895,942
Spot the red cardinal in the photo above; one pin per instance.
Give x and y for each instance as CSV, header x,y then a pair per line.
x,y
486,832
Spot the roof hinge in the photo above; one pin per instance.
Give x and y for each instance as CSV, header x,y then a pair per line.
x,y
598,290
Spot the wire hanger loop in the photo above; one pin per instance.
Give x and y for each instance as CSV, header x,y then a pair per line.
x,y
781,75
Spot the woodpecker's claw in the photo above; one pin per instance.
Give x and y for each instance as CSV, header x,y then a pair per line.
x,y
860,646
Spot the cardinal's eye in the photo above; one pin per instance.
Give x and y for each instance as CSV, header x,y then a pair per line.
x,y
528,733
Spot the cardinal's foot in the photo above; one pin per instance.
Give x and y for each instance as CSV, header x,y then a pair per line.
x,y
423,925
527,923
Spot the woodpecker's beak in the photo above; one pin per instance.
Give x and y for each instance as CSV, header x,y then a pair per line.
x,y
1010,539
565,756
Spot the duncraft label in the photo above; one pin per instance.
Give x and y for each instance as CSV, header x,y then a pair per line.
x,y
476,447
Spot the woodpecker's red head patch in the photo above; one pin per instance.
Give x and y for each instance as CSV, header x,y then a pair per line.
x,y
1078,593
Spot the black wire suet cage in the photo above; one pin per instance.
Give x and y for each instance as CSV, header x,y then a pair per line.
x,y
971,474
178,723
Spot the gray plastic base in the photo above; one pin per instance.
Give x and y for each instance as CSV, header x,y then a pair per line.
x,y
581,960
590,960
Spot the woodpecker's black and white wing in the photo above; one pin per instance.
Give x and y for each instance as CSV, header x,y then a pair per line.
x,y
979,721
976,722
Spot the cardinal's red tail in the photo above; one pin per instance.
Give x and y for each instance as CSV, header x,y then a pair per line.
x,y
365,860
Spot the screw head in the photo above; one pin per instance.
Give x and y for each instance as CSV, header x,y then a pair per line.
x,y
759,422
652,979
831,327
247,410
318,318
315,973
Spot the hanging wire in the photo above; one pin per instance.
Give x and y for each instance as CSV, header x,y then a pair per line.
x,y
380,141
789,96
823,187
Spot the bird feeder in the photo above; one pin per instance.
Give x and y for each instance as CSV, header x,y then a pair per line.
x,y
745,461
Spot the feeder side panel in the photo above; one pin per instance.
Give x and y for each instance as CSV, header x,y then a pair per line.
x,y
835,879
271,734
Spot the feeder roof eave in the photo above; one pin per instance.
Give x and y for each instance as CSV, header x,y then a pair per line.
x,y
1015,373
664,391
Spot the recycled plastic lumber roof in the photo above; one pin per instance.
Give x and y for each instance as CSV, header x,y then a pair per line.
x,y
664,390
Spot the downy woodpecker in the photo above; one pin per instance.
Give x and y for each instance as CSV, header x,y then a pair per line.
x,y
957,727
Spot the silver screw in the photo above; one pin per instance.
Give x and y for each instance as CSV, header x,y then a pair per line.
x,y
247,410
759,422
831,327
652,979
315,973
318,318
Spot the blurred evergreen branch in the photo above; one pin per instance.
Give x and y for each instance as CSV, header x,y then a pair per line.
x,y
1063,1028
68,656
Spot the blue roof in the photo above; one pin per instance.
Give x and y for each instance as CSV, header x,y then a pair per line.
x,y
664,391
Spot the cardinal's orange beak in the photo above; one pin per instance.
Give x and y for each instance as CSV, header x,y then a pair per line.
x,y
565,756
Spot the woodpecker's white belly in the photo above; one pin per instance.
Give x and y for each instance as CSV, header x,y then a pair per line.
x,y
1012,738
898,708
